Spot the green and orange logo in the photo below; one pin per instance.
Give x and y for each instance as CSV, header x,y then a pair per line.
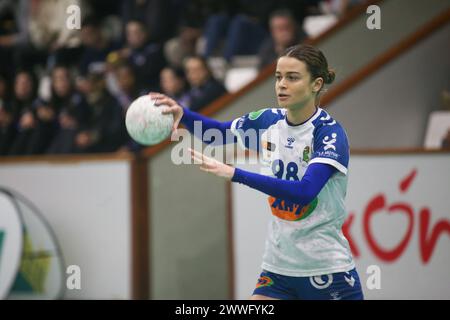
x,y
264,281
287,210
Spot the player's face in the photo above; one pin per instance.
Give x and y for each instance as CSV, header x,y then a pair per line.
x,y
294,86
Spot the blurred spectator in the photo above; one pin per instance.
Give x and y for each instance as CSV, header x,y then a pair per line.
x,y
128,92
96,46
104,131
173,84
71,110
156,15
23,113
285,32
7,130
8,31
127,84
41,30
242,32
145,56
185,44
204,87
36,138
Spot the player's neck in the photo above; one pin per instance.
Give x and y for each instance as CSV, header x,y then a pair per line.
x,y
299,115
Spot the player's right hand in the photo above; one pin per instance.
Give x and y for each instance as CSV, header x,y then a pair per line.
x,y
172,107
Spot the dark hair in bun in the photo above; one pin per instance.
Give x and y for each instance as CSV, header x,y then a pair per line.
x,y
314,59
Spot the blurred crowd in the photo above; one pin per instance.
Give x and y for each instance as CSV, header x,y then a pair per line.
x,y
67,90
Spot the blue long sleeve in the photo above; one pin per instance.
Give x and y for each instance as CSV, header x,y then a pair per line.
x,y
189,117
300,192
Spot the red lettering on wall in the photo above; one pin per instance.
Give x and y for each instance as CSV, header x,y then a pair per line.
x,y
377,205
346,231
427,244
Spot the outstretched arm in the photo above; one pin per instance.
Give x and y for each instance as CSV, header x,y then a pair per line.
x,y
301,192
188,118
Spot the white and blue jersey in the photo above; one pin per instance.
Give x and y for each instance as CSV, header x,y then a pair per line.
x,y
305,240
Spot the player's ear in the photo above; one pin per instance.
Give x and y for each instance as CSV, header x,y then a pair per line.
x,y
317,84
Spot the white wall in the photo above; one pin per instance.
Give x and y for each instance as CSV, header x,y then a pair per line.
x,y
391,107
87,204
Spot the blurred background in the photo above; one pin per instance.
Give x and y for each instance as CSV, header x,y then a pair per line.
x,y
87,213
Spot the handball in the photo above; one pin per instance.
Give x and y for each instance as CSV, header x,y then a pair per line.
x,y
145,123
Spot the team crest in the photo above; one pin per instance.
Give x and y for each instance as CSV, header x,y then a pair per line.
x,y
306,156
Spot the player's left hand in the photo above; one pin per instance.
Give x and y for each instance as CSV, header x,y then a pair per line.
x,y
211,165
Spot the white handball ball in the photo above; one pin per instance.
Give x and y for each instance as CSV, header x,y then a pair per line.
x,y
145,123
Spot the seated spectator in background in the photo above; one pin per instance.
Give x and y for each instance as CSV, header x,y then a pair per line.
x,y
174,84
242,32
157,15
127,93
185,44
42,36
23,113
38,125
145,57
284,32
9,36
96,46
204,88
71,111
104,130
7,130
127,84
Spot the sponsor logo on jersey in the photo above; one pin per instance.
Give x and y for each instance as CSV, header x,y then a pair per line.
x,y
290,211
264,281
255,114
329,143
290,141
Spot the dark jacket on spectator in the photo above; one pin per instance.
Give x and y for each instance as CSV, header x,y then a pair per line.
x,y
148,61
205,94
106,124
